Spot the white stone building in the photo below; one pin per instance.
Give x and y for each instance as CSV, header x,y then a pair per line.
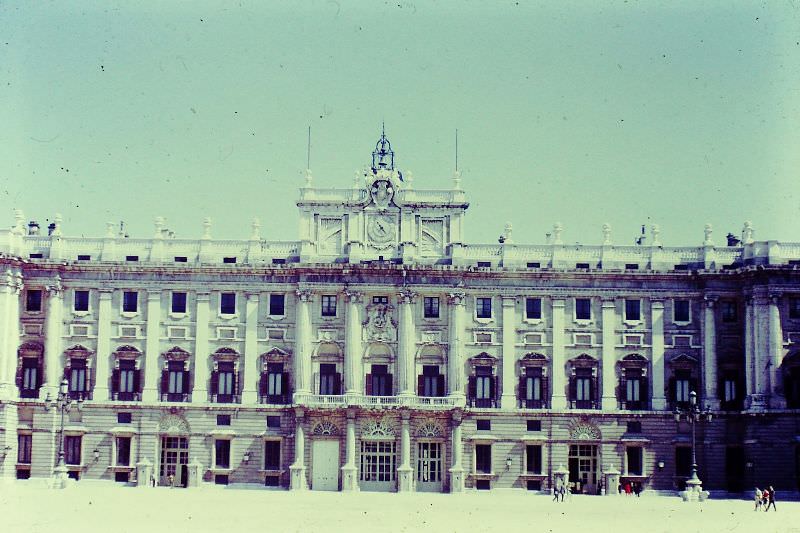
x,y
381,351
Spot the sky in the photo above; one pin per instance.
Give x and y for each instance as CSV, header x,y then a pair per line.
x,y
584,113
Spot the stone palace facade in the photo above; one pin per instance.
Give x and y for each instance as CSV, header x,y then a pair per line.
x,y
381,351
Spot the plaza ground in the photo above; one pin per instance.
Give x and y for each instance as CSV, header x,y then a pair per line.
x,y
87,507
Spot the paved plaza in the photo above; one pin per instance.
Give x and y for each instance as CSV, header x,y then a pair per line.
x,y
87,507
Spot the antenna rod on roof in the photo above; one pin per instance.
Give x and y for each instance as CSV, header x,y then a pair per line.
x,y
456,149
308,154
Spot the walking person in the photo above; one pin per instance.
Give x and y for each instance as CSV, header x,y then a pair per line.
x,y
771,500
758,495
556,491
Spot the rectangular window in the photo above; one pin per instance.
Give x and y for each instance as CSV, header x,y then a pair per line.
x,y
77,378
124,418
30,377
272,455
533,265
130,302
429,462
533,308
123,451
680,311
729,311
483,458
83,257
222,457
276,305
633,310
223,420
532,388
81,301
483,307
632,389
275,380
132,258
378,461
328,379
634,457
483,424
175,384
380,300
328,305
229,260
533,459
534,425
127,377
72,449
682,386
583,309
33,300
432,381
483,383
794,308
380,381
24,448
431,309
227,303
633,427
631,266
274,421
181,259
225,381
178,302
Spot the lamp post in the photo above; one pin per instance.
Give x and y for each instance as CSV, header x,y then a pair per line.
x,y
693,414
63,403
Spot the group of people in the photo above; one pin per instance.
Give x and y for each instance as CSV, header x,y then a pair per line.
x,y
630,488
765,499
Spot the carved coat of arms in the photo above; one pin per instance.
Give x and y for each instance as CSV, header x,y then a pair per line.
x,y
380,326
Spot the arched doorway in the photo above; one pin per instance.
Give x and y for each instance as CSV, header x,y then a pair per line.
x,y
584,458
173,470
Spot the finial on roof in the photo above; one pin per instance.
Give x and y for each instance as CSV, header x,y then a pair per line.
x,y
383,155
707,231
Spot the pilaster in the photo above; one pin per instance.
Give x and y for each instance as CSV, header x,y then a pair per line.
x,y
201,351
455,355
53,346
8,443
710,363
103,346
405,345
456,469
508,400
251,370
350,470
559,374
352,347
404,471
299,481
609,400
152,347
302,352
776,399
657,331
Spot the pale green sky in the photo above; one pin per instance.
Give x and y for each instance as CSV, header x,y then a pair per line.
x,y
679,113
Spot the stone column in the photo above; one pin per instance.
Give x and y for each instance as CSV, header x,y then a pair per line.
x,y
302,350
710,354
559,379
609,400
406,345
53,327
456,470
251,370
749,356
761,338
201,351
405,478
8,444
657,332
776,401
299,481
353,375
103,346
508,400
152,347
350,470
455,355
9,333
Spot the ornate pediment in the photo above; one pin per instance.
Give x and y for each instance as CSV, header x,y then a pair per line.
x,y
380,326
127,352
325,427
275,355
173,424
377,428
584,430
430,428
483,359
176,353
31,349
78,351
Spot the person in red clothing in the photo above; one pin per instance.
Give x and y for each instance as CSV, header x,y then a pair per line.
x,y
628,488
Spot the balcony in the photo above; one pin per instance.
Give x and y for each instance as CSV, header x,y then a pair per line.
x,y
533,404
224,398
276,399
414,402
175,397
482,403
584,404
29,393
320,400
80,395
126,396
633,405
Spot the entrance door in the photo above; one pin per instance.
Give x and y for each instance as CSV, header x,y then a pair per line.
x,y
583,468
378,470
429,466
325,465
174,458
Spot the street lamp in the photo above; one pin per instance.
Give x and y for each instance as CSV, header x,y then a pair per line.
x,y
63,403
693,414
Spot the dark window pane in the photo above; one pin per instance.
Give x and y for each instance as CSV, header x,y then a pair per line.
x,y
223,453
483,307
681,311
483,458
328,305
583,309
81,301
431,307
178,302
276,305
533,308
124,418
33,300
227,303
223,420
633,309
272,455
130,301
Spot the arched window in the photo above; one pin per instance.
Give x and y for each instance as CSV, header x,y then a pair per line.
x,y
583,393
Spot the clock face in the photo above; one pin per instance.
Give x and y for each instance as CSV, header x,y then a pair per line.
x,y
381,229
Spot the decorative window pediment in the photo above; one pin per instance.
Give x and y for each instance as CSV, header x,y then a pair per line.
x,y
328,351
31,349
274,355
430,429
584,430
176,353
684,361
127,352
325,427
78,351
377,429
483,359
534,360
634,361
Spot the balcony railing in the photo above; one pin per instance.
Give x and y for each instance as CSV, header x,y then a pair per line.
x,y
29,393
80,395
418,402
224,398
126,396
584,404
276,399
533,404
333,400
633,405
175,397
482,403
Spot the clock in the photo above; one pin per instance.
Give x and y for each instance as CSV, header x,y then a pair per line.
x,y
381,229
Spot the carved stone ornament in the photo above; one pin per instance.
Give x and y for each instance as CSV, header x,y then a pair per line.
x,y
457,298
584,430
275,355
382,193
78,351
173,424
305,295
325,427
430,429
176,353
377,428
379,325
226,355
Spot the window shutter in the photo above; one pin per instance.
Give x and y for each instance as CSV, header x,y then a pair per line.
x,y
493,388
164,381
214,383
523,388
622,390
644,394
673,389
262,383
115,381
420,385
90,377
389,385
593,389
66,373
440,385
237,382
137,381
573,388
368,385
285,384
19,376
472,387
39,373
187,389
317,388
337,383
545,392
